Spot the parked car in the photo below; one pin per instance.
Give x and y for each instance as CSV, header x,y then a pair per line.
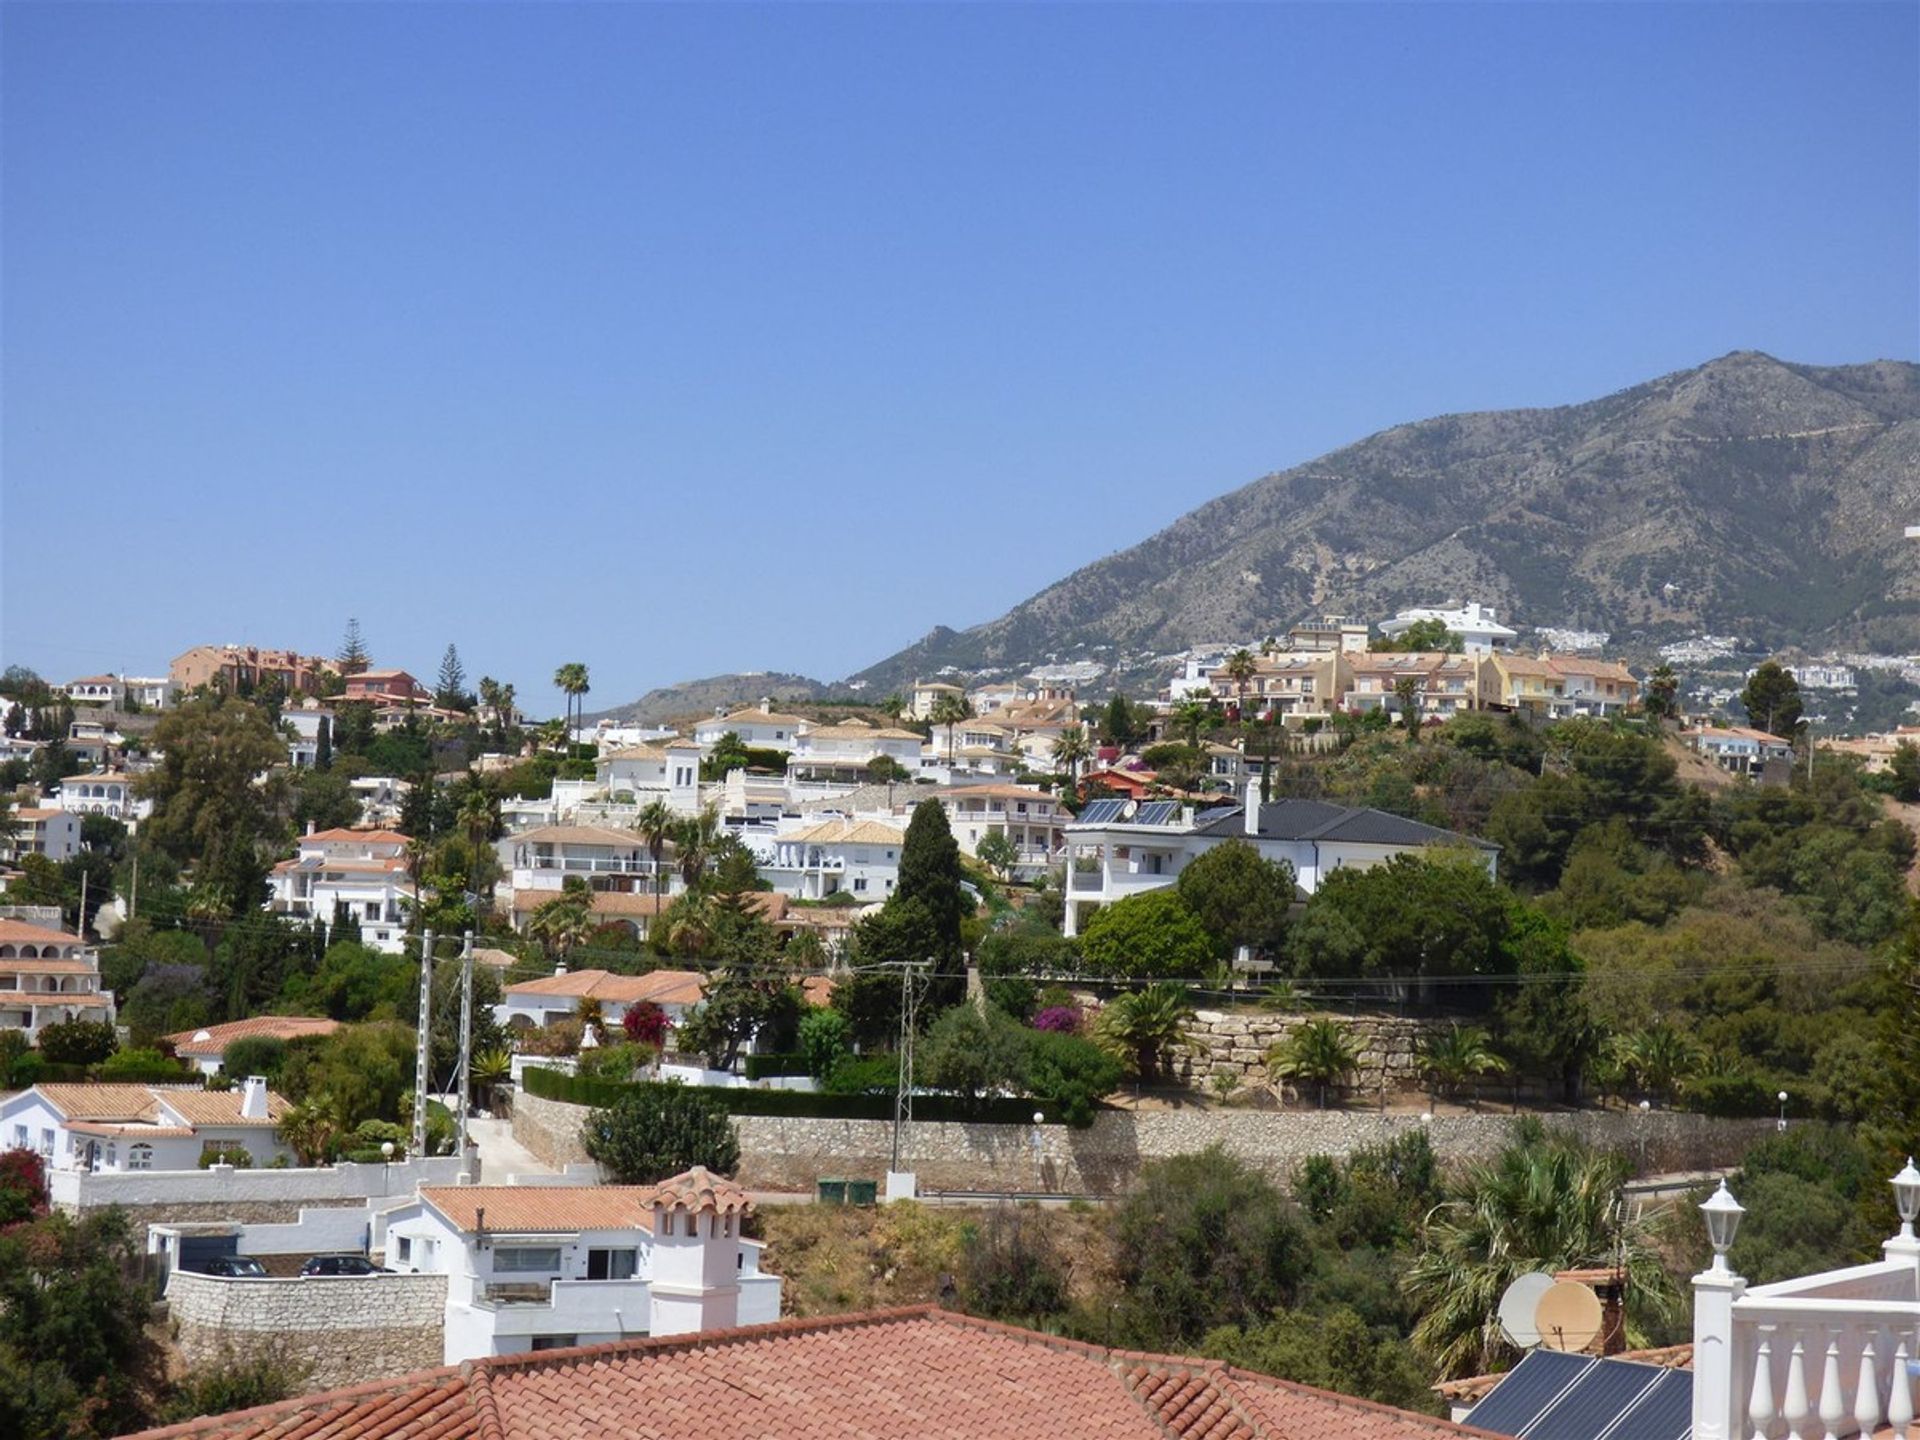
x,y
233,1266
342,1265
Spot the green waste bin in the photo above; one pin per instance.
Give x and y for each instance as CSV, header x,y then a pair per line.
x,y
863,1192
832,1192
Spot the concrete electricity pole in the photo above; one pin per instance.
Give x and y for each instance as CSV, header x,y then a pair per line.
x,y
423,1049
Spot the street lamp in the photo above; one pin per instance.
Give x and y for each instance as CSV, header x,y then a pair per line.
x,y
1723,1214
386,1162
1906,1198
1781,1123
1039,1167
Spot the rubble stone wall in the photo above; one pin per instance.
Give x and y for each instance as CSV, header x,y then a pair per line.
x,y
341,1330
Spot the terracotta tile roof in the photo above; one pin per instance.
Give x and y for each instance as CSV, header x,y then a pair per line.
x,y
218,1037
860,730
846,832
581,835
700,1190
663,987
18,932
544,1209
990,792
41,999
751,716
919,1372
219,1107
363,837
99,1102
141,1132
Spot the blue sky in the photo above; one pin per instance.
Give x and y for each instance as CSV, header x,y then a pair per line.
x,y
682,340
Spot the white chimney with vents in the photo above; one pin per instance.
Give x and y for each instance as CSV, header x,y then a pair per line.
x,y
253,1098
1253,809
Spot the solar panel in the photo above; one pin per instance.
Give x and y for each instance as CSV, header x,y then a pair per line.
x,y
1102,812
1597,1399
1529,1388
1664,1412
1158,812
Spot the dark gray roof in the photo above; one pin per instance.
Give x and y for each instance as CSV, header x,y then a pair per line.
x,y
1319,820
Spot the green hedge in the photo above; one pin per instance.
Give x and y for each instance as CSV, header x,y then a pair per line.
x,y
764,1067
573,1090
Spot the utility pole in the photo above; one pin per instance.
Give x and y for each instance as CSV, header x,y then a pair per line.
x,y
461,1085
133,900
903,1091
423,1048
80,925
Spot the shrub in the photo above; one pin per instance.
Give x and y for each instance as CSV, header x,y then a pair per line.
x,y
825,1035
864,1075
646,1024
972,1051
1012,1271
1147,936
78,1042
615,1062
133,1066
654,1131
233,1382
23,1186
255,1055
1069,1075
1060,1019
761,1067
228,1152
562,1037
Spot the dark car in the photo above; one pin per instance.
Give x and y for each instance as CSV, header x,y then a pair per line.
x,y
235,1266
342,1265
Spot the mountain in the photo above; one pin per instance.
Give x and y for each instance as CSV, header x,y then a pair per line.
x,y
1748,497
701,697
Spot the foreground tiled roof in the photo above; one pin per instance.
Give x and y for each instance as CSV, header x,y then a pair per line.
x,y
663,987
920,1373
219,1037
543,1209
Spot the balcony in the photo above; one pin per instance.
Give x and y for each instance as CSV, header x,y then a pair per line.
x,y
545,1307
585,864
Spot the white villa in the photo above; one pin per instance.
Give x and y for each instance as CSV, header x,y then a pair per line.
x,y
860,857
151,692
618,861
826,751
1119,848
759,728
533,1267
48,976
303,746
1738,748
43,830
1477,626
206,1048
1032,819
363,870
143,1127
108,793
533,1004
668,770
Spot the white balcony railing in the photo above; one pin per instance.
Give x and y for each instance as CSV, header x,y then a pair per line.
x,y
586,864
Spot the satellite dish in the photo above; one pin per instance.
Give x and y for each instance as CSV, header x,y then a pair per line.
x,y
1517,1306
203,1035
1568,1317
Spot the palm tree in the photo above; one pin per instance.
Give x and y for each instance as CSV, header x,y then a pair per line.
x,y
562,923
950,710
893,707
1544,1203
1321,1052
1659,1058
311,1129
1144,1027
490,1068
1071,750
1242,667
1458,1054
571,680
1190,715
693,840
655,823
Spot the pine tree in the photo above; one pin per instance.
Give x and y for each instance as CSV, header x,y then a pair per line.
x,y
353,656
323,746
930,873
452,688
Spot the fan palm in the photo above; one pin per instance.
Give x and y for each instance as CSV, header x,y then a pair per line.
x,y
1543,1203
1190,716
1071,749
1456,1055
1321,1052
1145,1027
571,680
655,823
693,842
1659,1058
562,923
950,710
1241,667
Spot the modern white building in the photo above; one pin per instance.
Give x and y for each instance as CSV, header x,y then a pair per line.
x,y
640,774
1479,629
859,857
364,871
150,692
108,690
46,977
43,830
109,792
759,727
606,858
118,1128
1032,819
1119,848
533,1267
303,745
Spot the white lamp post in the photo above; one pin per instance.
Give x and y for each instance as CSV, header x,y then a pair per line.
x,y
1723,1214
1906,1199
1039,1168
1781,1123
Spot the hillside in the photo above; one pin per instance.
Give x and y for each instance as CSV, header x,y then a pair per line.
x,y
1747,496
701,697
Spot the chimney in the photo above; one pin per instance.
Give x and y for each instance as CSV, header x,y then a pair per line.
x,y
1253,809
253,1098
766,704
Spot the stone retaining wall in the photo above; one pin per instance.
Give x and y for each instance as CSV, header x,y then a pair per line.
x,y
788,1153
346,1330
1235,1044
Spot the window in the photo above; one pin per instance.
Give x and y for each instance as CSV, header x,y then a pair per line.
x,y
612,1264
140,1157
46,1144
860,882
112,1155
524,1258
555,1342
19,1137
403,1249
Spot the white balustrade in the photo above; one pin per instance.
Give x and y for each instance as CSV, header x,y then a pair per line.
x,y
1760,1409
1798,1408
